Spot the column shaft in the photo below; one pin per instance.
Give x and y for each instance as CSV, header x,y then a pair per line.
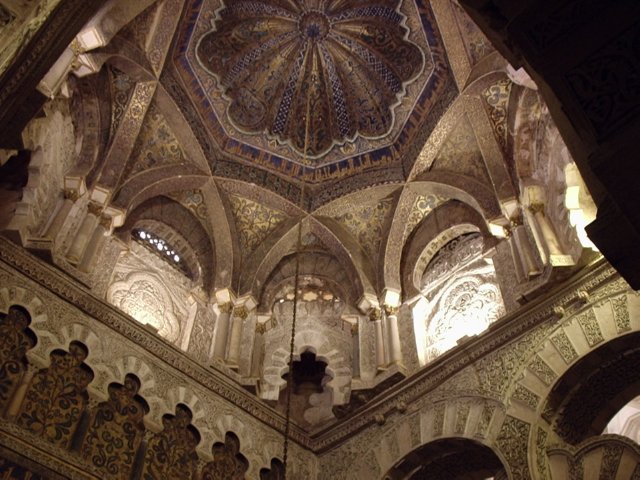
x,y
82,237
239,316
94,248
395,350
376,317
58,219
222,331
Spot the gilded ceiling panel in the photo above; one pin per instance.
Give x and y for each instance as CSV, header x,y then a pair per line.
x,y
497,97
254,222
156,145
192,200
461,154
369,73
121,86
138,30
423,205
475,42
367,224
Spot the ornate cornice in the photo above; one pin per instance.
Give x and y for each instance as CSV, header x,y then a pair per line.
x,y
599,280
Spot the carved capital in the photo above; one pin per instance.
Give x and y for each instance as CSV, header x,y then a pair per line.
x,y
375,314
536,207
354,329
225,307
76,48
71,194
261,328
508,231
95,209
241,312
516,221
105,221
390,310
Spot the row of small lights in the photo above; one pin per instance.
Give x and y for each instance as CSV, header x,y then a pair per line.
x,y
159,244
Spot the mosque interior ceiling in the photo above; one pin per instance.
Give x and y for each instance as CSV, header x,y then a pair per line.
x,y
216,168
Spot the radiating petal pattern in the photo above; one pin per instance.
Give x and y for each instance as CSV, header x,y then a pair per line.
x,y
347,62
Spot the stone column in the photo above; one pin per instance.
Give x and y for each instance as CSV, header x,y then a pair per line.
x,y
395,350
546,228
376,317
522,248
258,350
355,337
60,215
240,314
222,331
84,233
95,245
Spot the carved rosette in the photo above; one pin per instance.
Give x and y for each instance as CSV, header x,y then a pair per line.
x,y
347,62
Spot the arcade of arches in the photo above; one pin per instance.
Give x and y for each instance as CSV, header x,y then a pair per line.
x,y
172,170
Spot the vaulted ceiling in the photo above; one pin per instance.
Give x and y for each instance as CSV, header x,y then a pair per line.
x,y
403,106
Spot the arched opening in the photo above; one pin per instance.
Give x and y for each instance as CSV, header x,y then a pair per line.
x,y
311,397
627,421
449,459
462,296
592,391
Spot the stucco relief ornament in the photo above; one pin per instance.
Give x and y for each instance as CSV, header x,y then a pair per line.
x,y
351,59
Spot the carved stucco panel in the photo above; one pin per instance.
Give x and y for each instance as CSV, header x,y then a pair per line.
x,y
121,355
52,140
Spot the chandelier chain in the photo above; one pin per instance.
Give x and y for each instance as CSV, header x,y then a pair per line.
x,y
296,286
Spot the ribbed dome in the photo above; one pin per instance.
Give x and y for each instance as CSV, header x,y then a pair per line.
x,y
351,59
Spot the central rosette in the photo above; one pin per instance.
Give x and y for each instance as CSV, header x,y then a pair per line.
x,y
314,26
344,63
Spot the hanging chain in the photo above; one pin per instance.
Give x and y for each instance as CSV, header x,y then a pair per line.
x,y
296,286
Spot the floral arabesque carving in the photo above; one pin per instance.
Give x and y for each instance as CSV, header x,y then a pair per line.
x,y
228,463
172,452
116,429
57,397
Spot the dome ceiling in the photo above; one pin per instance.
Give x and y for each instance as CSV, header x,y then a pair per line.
x,y
370,73
347,63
